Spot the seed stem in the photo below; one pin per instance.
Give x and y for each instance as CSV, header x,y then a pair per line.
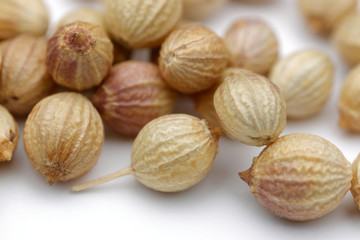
x,y
100,180
246,176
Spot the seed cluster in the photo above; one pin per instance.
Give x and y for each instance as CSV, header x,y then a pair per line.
x,y
238,84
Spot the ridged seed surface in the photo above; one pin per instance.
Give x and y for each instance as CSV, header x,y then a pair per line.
x,y
300,177
173,152
305,79
192,58
250,108
142,23
63,136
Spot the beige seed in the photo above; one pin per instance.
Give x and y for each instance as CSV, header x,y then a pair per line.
x,y
346,38
141,23
204,101
22,63
252,45
305,79
355,183
19,16
79,55
349,101
63,136
9,135
170,154
201,9
299,177
324,15
250,108
192,58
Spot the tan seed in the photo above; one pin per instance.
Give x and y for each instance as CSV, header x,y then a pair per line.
x,y
79,55
252,45
63,136
141,23
19,16
192,58
305,79
170,154
133,95
24,77
250,108
299,177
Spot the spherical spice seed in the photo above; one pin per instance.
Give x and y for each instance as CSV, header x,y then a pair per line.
x,y
204,101
299,177
192,58
305,79
250,108
170,154
79,55
141,23
22,63
63,136
19,16
252,45
133,95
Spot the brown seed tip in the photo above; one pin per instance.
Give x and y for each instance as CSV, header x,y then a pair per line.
x,y
216,132
246,176
79,39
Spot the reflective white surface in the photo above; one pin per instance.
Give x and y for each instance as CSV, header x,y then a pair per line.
x,y
219,207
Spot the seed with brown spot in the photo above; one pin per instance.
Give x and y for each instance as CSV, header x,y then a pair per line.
x,y
79,55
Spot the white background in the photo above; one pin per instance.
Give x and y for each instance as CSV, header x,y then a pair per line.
x,y
220,207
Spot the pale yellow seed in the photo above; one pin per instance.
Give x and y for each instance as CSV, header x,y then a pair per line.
x,y
170,154
204,101
250,108
299,177
305,79
9,135
141,23
63,136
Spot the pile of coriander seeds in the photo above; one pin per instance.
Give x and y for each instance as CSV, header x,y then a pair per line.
x,y
241,88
